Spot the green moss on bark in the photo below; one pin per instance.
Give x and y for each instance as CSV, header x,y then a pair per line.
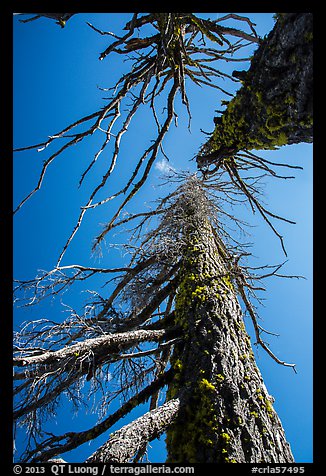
x,y
274,105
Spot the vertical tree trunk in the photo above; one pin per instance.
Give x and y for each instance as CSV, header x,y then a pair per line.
x,y
229,417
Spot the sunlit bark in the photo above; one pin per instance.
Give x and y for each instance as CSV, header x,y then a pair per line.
x,y
274,106
229,415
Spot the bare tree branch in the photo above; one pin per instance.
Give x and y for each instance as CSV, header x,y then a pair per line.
x,y
56,445
124,443
171,54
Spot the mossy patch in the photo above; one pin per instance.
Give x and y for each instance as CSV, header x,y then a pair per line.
x,y
198,426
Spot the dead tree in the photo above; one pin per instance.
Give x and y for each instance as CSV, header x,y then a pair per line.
x,y
274,106
228,416
179,293
182,47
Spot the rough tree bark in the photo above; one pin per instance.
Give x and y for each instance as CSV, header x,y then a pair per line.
x,y
274,105
218,409
228,417
129,440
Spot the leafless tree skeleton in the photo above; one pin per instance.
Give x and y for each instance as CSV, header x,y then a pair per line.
x,y
125,345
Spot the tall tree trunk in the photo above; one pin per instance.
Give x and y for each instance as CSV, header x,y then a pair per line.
x,y
228,416
274,106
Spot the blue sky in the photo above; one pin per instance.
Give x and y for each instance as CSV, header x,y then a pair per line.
x,y
56,74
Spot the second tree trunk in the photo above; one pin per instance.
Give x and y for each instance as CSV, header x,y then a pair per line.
x,y
229,416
